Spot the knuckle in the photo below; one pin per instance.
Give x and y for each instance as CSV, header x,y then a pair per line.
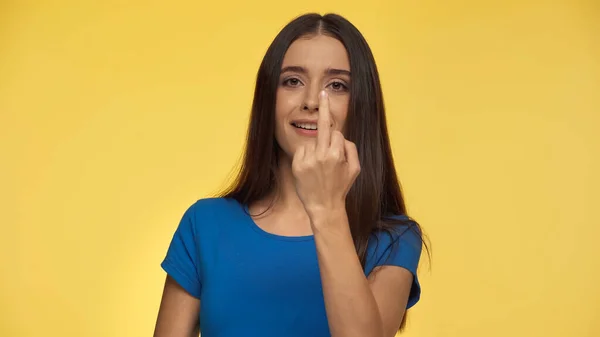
x,y
336,155
321,158
297,167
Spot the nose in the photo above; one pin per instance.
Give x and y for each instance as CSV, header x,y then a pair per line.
x,y
311,101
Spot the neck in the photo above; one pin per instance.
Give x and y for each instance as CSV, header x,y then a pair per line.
x,y
285,197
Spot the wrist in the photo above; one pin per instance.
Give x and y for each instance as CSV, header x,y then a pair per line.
x,y
330,217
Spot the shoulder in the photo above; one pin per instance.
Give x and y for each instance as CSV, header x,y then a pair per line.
x,y
207,208
203,214
399,242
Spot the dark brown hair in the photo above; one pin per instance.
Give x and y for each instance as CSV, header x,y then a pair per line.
x,y
375,200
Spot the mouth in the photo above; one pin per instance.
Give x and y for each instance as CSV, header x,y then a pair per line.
x,y
305,126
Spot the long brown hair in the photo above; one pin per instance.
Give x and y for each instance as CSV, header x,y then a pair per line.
x,y
376,197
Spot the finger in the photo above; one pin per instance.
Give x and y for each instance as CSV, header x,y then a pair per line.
x,y
299,154
298,160
338,144
352,158
323,123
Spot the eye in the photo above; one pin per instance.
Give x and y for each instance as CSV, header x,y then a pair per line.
x,y
338,86
292,82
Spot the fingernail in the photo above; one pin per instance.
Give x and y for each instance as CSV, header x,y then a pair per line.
x,y
323,94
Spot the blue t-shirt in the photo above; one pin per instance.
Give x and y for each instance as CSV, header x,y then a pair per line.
x,y
254,283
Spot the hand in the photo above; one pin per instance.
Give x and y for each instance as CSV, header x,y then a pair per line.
x,y
325,171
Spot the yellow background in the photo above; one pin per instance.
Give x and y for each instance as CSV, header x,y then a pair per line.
x,y
116,116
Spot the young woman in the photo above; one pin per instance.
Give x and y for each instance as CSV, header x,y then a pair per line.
x,y
313,238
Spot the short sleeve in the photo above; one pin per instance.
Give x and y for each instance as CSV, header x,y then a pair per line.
x,y
402,248
182,258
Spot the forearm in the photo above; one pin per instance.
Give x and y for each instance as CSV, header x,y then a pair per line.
x,y
349,302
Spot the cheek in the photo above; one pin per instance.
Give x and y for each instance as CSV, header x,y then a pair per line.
x,y
278,107
280,114
339,111
284,104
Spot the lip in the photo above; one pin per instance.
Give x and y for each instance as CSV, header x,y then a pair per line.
x,y
304,132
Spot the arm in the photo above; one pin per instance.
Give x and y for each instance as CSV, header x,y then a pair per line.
x,y
357,305
179,310
324,173
178,313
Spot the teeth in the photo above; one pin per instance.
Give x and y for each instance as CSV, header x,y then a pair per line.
x,y
307,126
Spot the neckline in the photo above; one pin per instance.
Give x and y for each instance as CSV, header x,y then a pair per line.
x,y
245,209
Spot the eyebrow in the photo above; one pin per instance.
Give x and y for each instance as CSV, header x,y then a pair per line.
x,y
302,70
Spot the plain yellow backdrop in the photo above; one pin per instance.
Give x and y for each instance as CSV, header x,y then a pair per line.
x,y
116,115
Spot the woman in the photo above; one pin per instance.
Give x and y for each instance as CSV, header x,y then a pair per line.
x,y
313,238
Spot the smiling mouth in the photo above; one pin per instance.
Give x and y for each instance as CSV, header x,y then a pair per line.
x,y
305,126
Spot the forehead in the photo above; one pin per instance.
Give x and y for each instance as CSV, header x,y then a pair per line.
x,y
317,52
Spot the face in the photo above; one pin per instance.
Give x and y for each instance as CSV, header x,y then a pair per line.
x,y
310,65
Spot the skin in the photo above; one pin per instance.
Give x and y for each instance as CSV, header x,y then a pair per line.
x,y
178,315
316,171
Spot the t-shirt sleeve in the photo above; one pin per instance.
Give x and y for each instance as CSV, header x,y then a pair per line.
x,y
182,258
402,248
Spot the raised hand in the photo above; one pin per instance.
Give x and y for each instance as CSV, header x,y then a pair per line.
x,y
325,171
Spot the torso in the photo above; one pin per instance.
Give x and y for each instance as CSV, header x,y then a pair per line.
x,y
277,221
259,279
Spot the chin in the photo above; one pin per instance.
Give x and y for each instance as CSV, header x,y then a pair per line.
x,y
288,150
289,147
